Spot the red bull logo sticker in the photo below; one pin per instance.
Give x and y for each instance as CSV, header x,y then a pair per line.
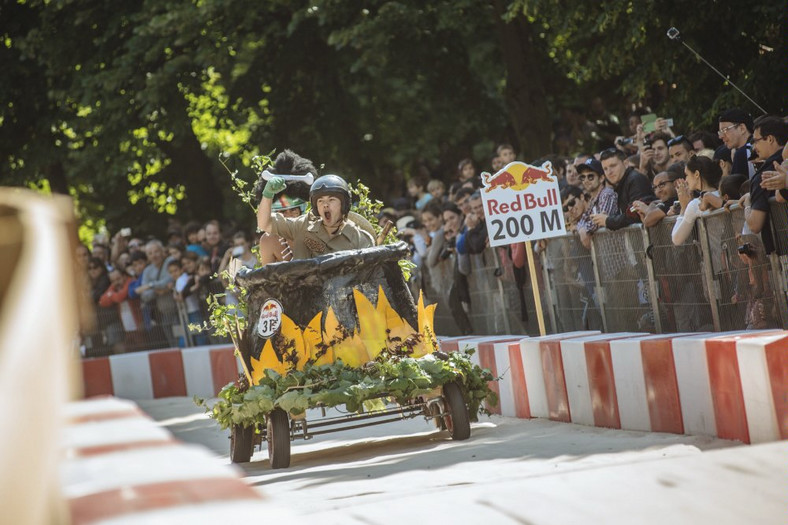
x,y
522,203
270,318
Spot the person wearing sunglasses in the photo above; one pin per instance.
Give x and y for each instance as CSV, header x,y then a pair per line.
x,y
680,149
601,198
665,189
574,203
735,130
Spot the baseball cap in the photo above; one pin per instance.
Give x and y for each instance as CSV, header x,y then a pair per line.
x,y
722,153
591,164
737,116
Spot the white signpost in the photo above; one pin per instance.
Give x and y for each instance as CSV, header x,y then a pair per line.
x,y
522,203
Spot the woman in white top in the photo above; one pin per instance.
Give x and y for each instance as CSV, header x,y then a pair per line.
x,y
702,175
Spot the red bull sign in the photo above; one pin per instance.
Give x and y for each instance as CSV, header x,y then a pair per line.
x,y
522,203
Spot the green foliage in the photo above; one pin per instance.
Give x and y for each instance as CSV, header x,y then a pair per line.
x,y
243,188
621,46
332,385
128,105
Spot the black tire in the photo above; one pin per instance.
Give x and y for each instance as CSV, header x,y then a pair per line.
x,y
241,443
278,436
457,421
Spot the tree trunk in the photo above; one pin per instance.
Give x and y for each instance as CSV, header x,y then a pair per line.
x,y
57,178
525,93
191,167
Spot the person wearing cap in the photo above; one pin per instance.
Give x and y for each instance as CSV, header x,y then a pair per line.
x,y
601,198
735,130
326,229
722,155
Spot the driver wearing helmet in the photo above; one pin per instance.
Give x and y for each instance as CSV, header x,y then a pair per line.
x,y
327,228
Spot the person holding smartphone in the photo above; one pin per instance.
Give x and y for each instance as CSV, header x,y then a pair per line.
x,y
654,154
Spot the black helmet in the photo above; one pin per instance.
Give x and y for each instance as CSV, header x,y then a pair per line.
x,y
330,185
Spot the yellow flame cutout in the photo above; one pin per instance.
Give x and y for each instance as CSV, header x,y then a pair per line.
x,y
380,328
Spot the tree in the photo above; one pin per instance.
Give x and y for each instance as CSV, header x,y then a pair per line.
x,y
623,45
127,106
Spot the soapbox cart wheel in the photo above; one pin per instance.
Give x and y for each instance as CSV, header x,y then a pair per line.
x,y
456,416
278,437
241,443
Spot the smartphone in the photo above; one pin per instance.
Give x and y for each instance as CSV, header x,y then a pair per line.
x,y
125,232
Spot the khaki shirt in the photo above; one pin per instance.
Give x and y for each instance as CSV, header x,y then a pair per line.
x,y
309,238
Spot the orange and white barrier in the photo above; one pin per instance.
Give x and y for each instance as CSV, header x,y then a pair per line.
x,y
122,467
201,371
731,385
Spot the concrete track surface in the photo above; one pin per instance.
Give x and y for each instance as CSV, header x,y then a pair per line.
x,y
509,471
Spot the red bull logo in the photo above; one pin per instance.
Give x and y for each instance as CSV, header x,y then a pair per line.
x,y
270,318
517,176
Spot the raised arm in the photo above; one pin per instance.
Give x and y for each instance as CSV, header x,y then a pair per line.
x,y
272,187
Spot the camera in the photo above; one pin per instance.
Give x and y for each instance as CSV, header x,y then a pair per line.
x,y
746,249
448,249
646,143
624,141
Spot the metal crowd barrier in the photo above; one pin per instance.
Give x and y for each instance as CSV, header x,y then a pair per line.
x,y
136,328
568,270
641,281
501,296
632,279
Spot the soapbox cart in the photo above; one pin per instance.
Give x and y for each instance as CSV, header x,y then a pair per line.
x,y
354,307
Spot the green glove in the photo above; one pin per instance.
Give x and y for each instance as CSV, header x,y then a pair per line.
x,y
273,186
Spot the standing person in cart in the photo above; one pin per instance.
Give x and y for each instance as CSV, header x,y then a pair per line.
x,y
327,228
290,202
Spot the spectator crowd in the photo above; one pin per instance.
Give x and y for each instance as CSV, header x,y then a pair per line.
x,y
147,291
642,176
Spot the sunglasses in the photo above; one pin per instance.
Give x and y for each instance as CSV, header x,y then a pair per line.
x,y
569,204
678,140
589,176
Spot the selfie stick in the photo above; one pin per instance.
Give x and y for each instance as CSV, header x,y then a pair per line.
x,y
308,178
674,34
